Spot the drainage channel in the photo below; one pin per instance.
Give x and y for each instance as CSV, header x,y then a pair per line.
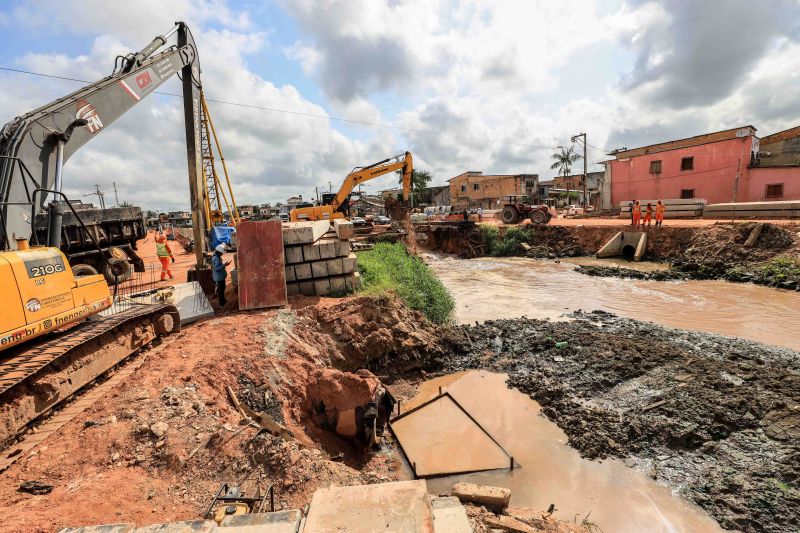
x,y
614,496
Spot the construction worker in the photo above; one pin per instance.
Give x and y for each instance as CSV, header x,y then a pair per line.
x,y
637,213
660,208
164,253
219,273
648,214
630,210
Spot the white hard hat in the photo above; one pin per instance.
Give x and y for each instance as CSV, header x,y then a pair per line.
x,y
220,248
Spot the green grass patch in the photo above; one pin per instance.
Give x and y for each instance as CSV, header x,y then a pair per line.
x,y
507,243
389,267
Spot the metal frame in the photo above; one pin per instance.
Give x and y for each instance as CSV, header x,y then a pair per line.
x,y
220,497
512,464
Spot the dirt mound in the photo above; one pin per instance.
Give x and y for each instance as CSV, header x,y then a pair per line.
x,y
727,243
711,416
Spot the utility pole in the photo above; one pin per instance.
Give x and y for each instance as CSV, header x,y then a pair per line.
x,y
116,198
316,192
330,187
574,138
100,197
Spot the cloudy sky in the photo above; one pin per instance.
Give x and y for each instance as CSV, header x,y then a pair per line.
x,y
464,85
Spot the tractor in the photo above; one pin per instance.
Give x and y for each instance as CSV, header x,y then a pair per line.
x,y
515,209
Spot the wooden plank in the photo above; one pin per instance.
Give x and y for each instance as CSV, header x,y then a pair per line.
x,y
304,232
262,281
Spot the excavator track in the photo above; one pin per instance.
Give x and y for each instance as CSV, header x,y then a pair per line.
x,y
37,376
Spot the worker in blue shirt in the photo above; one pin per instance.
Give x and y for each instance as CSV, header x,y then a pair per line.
x,y
219,273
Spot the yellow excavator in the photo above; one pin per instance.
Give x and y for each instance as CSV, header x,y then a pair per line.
x,y
41,294
338,205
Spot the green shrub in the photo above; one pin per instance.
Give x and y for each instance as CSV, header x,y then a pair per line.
x,y
389,267
507,243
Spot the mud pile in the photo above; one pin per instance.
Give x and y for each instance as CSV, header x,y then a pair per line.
x,y
714,417
158,447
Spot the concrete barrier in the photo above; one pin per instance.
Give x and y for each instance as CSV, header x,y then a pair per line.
x,y
784,209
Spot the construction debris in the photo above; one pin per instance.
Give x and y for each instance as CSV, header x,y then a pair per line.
x,y
495,498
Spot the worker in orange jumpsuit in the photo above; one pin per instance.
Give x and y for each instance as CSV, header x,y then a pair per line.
x,y
660,208
637,213
648,214
164,255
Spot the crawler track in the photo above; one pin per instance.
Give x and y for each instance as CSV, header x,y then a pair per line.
x,y
37,376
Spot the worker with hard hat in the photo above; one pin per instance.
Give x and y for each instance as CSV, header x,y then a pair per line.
x,y
164,253
648,214
660,208
637,213
219,273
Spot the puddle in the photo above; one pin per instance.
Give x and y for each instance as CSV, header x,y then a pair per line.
x,y
615,497
493,288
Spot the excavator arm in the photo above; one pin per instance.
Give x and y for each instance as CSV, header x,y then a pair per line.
x,y
360,175
34,146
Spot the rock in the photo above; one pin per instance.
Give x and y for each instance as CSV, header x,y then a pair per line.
x,y
495,498
127,414
159,429
506,523
115,456
35,487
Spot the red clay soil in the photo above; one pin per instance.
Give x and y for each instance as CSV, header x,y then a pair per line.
x,y
157,447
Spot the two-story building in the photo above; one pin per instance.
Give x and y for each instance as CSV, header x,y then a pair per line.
x,y
474,189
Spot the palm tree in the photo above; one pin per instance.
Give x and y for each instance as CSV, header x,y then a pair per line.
x,y
564,159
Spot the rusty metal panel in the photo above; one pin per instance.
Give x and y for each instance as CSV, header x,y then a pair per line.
x,y
262,278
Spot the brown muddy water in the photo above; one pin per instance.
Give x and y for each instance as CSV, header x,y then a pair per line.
x,y
615,497
494,288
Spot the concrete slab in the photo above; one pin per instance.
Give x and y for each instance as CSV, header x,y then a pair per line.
x,y
349,263
449,516
292,288
302,271
439,438
293,254
335,267
343,248
261,265
289,269
307,288
304,232
399,507
338,285
277,522
189,526
496,498
106,528
319,269
353,281
322,287
191,302
311,252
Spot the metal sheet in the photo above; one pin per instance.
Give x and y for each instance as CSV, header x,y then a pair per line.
x,y
441,438
262,279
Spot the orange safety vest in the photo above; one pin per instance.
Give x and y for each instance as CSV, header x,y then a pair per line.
x,y
637,209
659,209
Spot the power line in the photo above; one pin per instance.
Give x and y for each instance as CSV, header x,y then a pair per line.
x,y
313,115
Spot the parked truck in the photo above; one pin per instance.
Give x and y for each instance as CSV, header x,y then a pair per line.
x,y
116,230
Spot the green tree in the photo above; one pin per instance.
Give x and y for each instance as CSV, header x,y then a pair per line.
x,y
419,182
564,159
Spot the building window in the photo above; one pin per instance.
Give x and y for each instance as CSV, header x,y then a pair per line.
x,y
475,186
463,188
687,163
774,190
687,194
655,167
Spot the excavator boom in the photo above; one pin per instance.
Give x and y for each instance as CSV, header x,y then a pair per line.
x,y
403,163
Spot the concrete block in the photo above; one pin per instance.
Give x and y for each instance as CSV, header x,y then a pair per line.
x,y
343,228
188,526
191,302
292,288
342,248
307,288
327,250
311,252
302,271
304,232
107,528
289,270
353,281
319,269
349,264
495,498
335,267
293,254
322,287
338,285
277,522
449,516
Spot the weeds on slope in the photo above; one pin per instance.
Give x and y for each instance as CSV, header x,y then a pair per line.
x,y
507,243
388,266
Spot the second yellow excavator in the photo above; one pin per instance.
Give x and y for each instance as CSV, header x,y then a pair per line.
x,y
337,205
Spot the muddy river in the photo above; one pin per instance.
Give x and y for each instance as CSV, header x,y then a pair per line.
x,y
607,493
492,288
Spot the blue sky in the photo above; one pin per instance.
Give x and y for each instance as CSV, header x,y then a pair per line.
x,y
519,77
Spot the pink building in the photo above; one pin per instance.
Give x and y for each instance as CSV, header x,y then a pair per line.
x,y
724,166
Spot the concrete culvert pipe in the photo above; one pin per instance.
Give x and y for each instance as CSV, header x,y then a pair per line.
x,y
628,252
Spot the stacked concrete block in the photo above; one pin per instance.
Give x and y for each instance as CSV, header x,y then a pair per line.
x,y
319,259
